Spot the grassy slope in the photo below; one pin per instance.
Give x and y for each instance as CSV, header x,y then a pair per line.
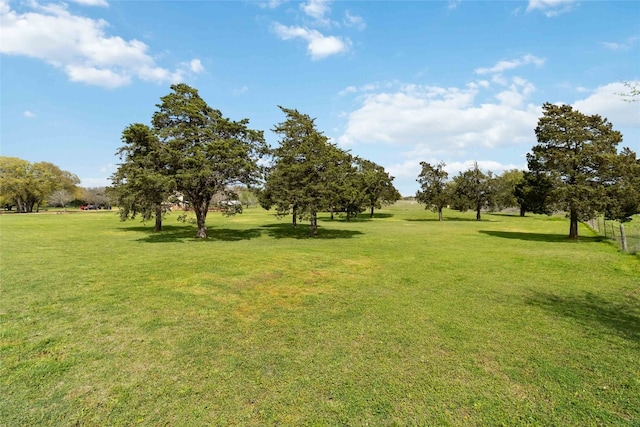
x,y
397,321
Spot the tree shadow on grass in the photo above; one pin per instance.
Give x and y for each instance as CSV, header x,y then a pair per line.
x,y
363,217
366,216
620,318
448,219
231,235
173,233
541,237
509,214
303,231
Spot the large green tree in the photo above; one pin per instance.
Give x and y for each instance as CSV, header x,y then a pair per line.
x,y
306,165
576,152
206,152
141,185
434,192
473,189
27,184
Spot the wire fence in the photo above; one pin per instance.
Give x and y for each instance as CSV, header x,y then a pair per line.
x,y
627,238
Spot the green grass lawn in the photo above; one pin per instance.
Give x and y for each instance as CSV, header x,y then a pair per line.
x,y
399,320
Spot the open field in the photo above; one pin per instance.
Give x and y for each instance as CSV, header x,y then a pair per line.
x,y
399,320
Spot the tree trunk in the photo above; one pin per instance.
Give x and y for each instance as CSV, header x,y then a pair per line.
x,y
158,226
201,216
314,224
573,225
294,217
332,213
522,211
439,213
371,211
478,214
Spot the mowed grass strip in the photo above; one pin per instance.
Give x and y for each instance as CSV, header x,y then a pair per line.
x,y
396,320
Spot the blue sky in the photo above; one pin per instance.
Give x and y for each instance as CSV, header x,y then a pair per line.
x,y
396,82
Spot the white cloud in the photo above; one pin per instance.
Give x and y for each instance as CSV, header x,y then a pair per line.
x,y
447,122
551,8
316,9
625,45
453,4
354,21
317,14
608,102
97,76
92,2
270,4
406,172
403,124
348,90
28,114
370,87
454,168
109,167
240,91
319,46
80,47
196,66
95,182
502,66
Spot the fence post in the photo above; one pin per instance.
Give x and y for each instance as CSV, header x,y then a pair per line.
x,y
623,238
613,232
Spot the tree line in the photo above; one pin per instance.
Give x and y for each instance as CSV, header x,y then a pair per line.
x,y
29,187
190,149
575,167
193,152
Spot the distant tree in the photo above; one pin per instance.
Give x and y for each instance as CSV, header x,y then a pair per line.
x,y
247,196
532,193
60,198
576,152
141,185
15,181
378,185
301,179
97,196
473,189
434,192
505,186
29,184
347,186
206,152
623,187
